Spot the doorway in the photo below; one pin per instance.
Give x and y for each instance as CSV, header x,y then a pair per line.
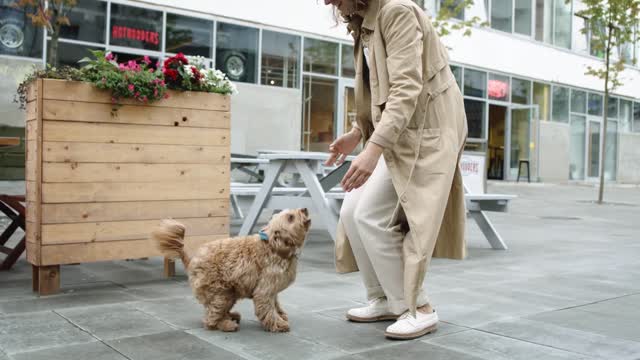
x,y
496,142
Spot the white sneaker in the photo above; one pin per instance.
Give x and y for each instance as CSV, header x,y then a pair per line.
x,y
377,310
408,327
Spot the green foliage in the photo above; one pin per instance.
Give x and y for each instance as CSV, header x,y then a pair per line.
x,y
452,9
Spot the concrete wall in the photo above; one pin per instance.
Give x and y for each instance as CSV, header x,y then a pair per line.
x,y
264,117
554,152
629,158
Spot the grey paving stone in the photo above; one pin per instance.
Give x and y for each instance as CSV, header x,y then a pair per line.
x,y
343,335
252,341
494,347
92,351
567,339
160,289
114,321
411,350
96,294
312,299
621,327
444,328
170,346
181,313
35,331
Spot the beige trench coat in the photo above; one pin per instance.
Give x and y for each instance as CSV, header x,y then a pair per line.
x,y
409,103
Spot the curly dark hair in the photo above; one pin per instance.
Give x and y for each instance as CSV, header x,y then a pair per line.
x,y
349,18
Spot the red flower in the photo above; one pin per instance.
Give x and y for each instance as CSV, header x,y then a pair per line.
x,y
131,87
171,74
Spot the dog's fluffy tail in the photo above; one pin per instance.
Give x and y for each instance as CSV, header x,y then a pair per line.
x,y
169,238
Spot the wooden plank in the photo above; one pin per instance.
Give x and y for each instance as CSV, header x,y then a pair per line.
x,y
125,230
115,250
79,91
134,114
132,134
33,253
132,210
32,191
79,173
32,232
134,153
32,130
31,161
32,212
46,279
9,141
32,111
96,192
32,91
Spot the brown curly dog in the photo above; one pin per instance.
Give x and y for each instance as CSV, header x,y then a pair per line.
x,y
224,271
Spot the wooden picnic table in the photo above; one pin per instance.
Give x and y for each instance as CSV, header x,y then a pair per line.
x,y
12,207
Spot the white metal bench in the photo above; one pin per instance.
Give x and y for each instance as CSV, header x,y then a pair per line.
x,y
476,204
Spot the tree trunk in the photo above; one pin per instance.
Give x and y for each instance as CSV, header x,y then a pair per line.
x,y
603,151
52,55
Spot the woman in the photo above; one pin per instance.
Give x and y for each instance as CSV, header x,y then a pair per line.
x,y
405,199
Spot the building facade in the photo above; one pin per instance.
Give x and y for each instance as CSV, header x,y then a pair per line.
x,y
526,95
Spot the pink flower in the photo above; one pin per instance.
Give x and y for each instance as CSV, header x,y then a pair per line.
x,y
122,67
150,70
109,56
137,94
131,87
147,60
155,92
145,99
166,96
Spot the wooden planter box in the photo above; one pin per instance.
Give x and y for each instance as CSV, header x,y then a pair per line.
x,y
99,177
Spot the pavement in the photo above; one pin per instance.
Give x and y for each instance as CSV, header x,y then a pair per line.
x,y
567,288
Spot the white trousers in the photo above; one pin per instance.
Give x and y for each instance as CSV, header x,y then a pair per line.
x,y
365,214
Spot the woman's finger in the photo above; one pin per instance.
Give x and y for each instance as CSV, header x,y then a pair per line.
x,y
347,177
341,159
332,159
362,178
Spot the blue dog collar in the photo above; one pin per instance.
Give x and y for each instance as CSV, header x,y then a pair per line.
x,y
263,236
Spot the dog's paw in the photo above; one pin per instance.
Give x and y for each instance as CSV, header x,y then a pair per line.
x,y
283,315
228,326
280,326
235,316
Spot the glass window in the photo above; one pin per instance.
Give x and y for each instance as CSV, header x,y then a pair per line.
x,y
562,24
320,56
626,116
542,98
611,154
280,64
18,36
455,10
594,104
457,73
498,87
580,42
636,117
319,110
544,21
523,17
578,101
348,63
475,118
501,15
475,83
136,27
87,21
520,91
560,104
189,35
236,52
595,50
577,147
70,54
612,108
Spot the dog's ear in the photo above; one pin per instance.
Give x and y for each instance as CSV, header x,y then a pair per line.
x,y
281,244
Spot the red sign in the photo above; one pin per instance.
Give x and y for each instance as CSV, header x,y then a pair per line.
x,y
123,32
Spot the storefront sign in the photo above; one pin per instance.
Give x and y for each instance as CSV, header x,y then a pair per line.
x,y
127,33
473,171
